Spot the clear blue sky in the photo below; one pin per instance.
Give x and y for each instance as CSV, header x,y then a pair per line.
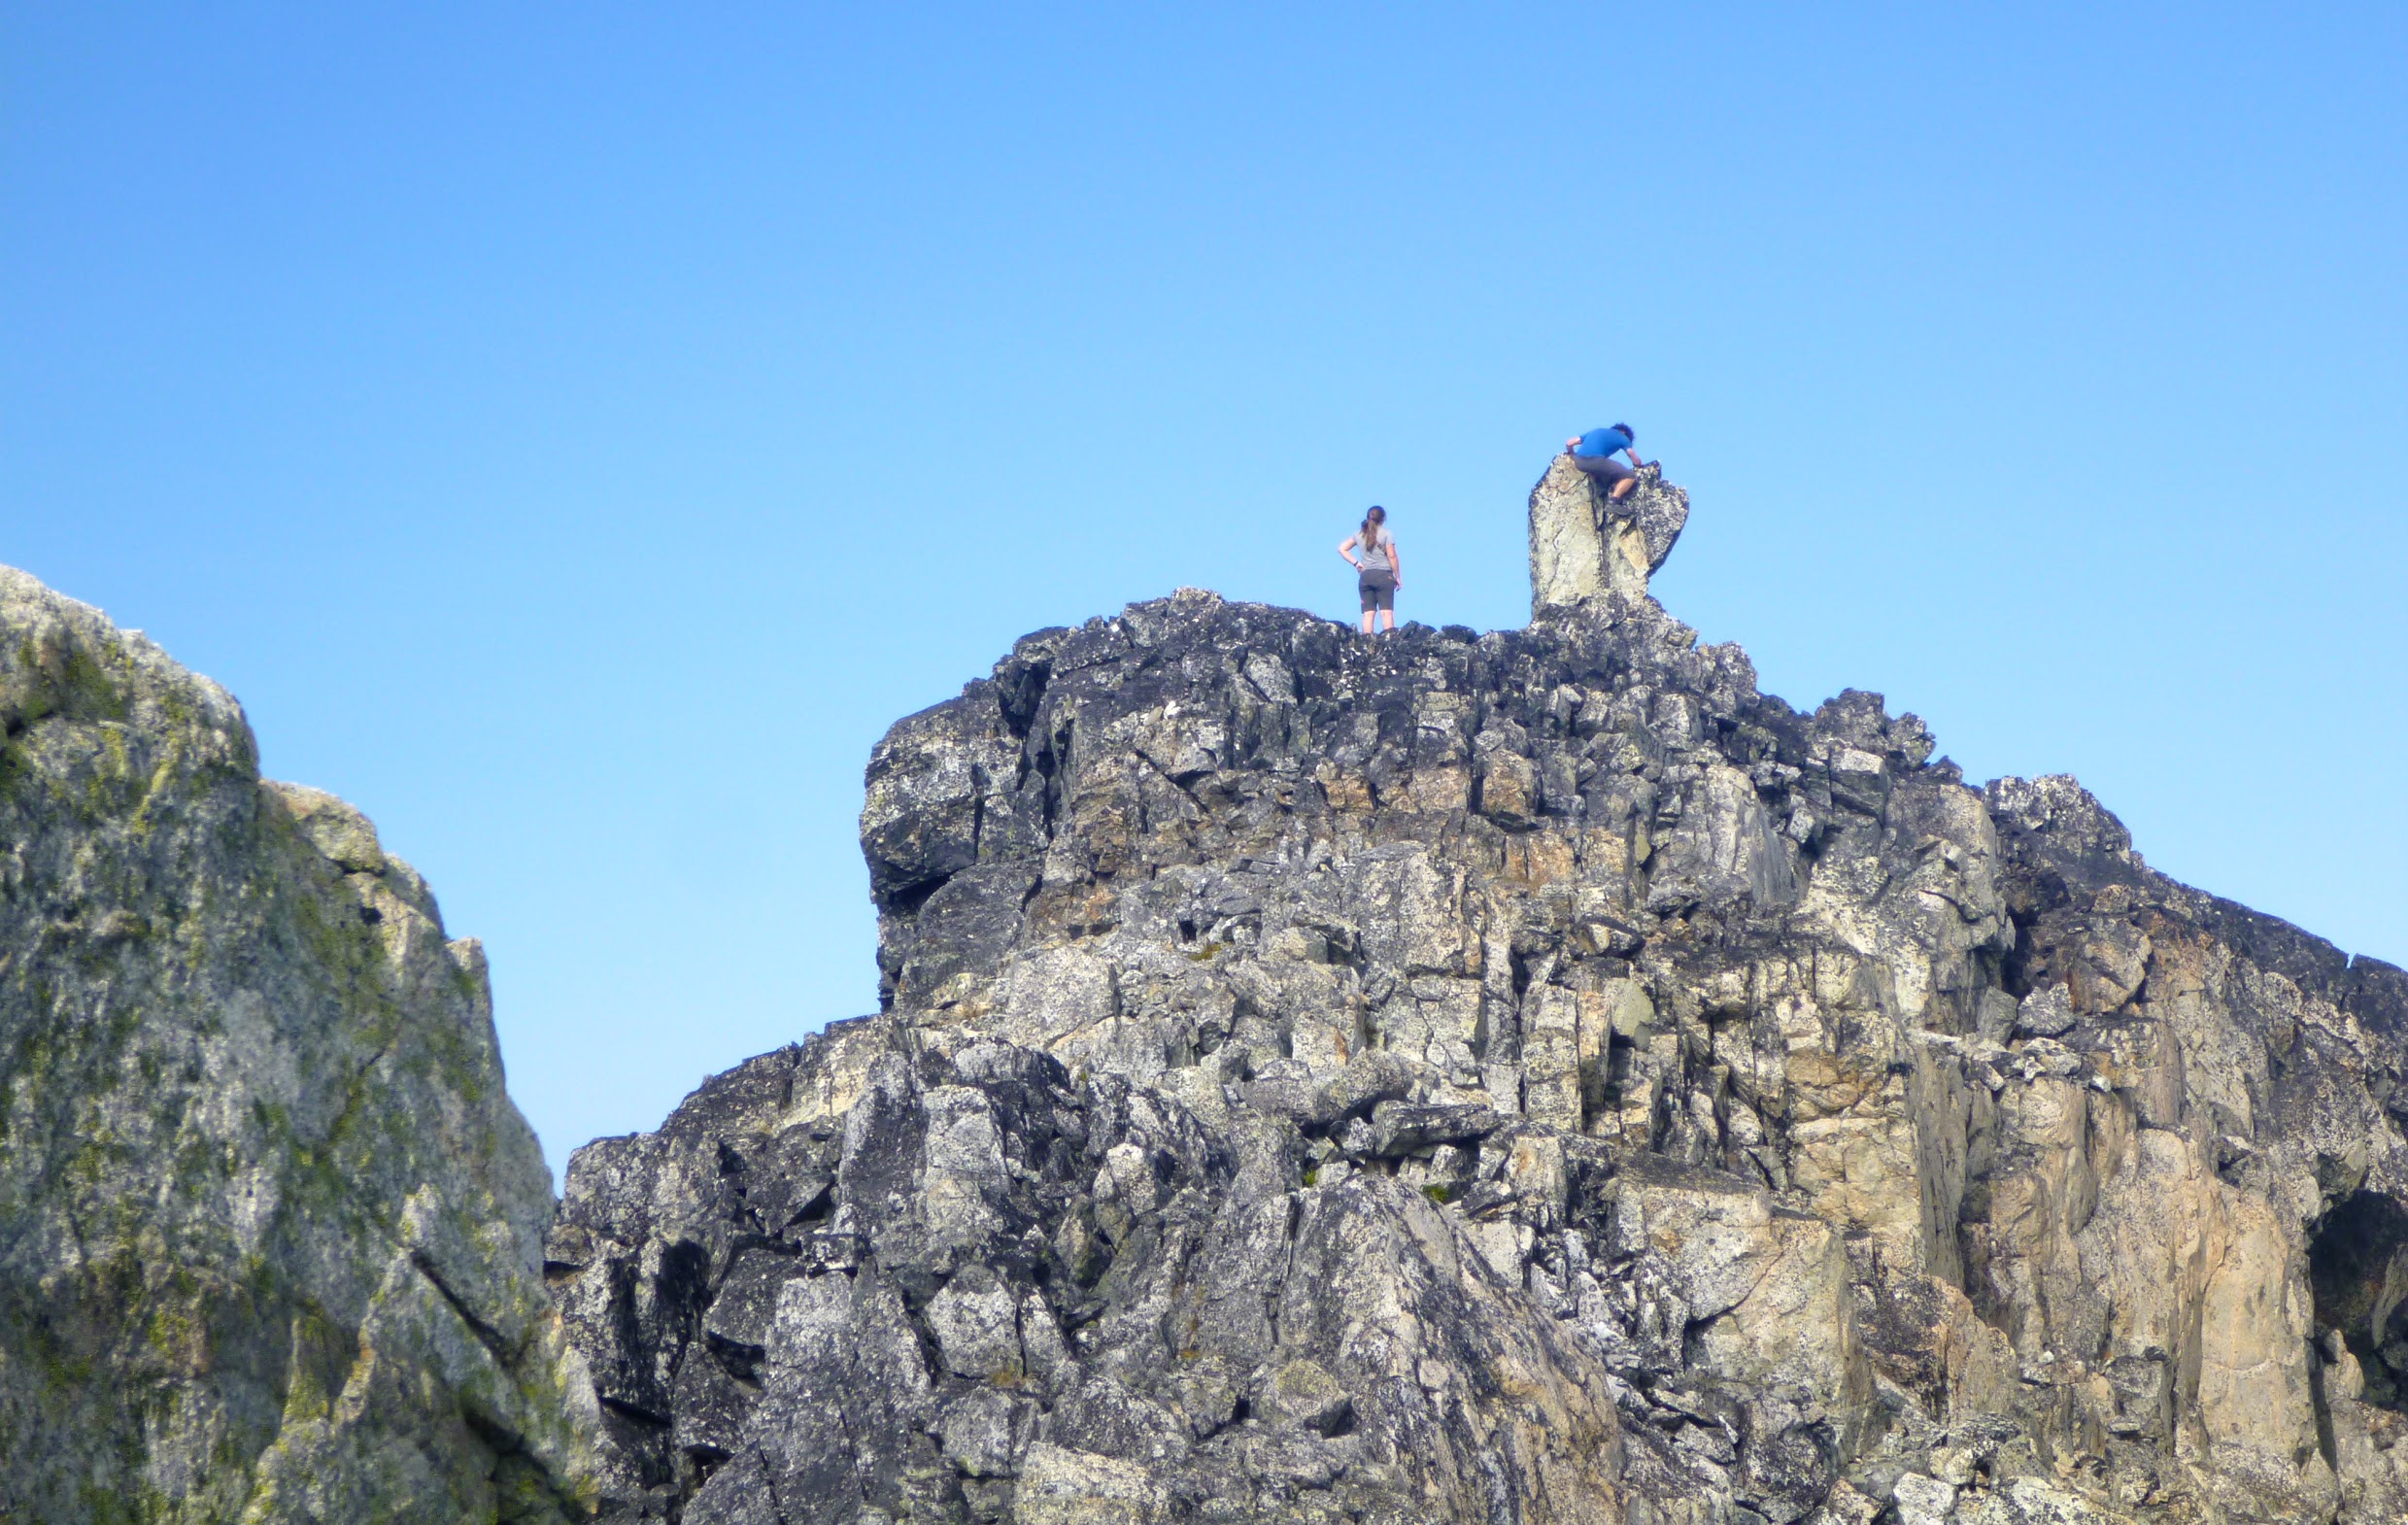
x,y
576,432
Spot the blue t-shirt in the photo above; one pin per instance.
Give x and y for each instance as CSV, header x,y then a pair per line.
x,y
1602,442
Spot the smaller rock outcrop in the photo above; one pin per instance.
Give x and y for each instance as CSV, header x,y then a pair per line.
x,y
1584,545
270,1228
865,1277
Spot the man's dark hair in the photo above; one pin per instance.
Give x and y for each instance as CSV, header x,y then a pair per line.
x,y
1626,433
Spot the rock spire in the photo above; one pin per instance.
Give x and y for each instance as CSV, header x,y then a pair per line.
x,y
1585,546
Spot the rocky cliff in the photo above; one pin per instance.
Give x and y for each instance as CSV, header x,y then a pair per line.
x,y
269,1228
1531,1076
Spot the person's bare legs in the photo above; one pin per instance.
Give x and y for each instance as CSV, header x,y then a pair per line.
x,y
1367,621
1387,621
1605,473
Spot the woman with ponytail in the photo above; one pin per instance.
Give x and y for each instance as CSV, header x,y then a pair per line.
x,y
1371,552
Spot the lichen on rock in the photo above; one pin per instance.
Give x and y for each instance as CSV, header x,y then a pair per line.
x,y
270,1228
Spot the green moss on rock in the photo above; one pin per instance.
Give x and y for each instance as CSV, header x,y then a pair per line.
x,y
237,1119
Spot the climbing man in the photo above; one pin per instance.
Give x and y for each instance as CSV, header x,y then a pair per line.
x,y
1593,453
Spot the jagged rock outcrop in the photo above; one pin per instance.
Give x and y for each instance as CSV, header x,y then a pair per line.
x,y
1527,1076
270,1229
1585,546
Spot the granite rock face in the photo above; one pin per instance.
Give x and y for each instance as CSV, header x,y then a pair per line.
x,y
1529,1077
270,1230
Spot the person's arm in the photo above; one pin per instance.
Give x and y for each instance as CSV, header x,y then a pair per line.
x,y
1346,548
1396,565
1572,444
1632,451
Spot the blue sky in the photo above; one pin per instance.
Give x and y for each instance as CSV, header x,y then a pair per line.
x,y
576,432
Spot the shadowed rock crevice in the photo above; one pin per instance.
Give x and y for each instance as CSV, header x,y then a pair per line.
x,y
2357,1267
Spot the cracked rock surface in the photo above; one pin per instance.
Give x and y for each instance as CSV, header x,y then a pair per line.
x,y
1528,1077
270,1230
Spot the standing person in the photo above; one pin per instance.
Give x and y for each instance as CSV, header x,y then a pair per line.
x,y
1593,453
1378,567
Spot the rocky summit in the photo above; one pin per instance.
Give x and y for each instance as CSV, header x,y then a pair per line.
x,y
1520,1077
1531,1076
270,1230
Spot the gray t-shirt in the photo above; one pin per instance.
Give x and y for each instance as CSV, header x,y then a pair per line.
x,y
1374,554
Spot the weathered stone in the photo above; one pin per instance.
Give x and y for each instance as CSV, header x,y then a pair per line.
x,y
1922,1501
2046,1012
270,1229
1401,1128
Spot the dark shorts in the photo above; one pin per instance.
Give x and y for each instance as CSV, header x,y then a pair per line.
x,y
1604,468
1378,592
